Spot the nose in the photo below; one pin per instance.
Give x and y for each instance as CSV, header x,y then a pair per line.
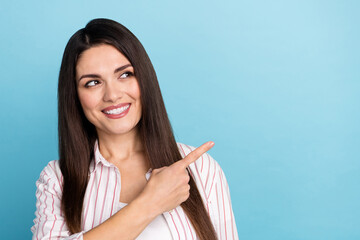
x,y
112,92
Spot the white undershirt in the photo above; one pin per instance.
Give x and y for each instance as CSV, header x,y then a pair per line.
x,y
158,227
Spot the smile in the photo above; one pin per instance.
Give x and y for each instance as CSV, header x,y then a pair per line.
x,y
118,111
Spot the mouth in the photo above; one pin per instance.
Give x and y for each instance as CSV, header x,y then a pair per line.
x,y
117,111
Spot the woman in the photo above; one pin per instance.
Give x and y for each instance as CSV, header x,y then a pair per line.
x,y
121,175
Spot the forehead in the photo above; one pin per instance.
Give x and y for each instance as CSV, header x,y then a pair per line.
x,y
100,58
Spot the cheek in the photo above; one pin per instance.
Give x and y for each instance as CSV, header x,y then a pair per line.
x,y
88,101
135,90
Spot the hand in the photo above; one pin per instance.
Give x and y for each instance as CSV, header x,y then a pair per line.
x,y
168,186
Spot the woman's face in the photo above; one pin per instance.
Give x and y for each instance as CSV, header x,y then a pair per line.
x,y
108,90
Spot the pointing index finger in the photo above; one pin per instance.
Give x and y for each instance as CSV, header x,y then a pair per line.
x,y
196,153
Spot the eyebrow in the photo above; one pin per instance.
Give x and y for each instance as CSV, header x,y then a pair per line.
x,y
98,76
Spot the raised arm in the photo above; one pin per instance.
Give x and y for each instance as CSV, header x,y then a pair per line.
x,y
166,189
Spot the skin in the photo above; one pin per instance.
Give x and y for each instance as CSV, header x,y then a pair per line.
x,y
120,144
100,85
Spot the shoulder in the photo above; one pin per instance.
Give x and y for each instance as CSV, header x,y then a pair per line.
x,y
205,169
51,175
52,169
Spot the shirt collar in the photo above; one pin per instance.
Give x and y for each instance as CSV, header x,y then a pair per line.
x,y
98,158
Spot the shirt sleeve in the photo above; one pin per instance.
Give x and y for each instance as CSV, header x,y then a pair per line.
x,y
49,222
222,208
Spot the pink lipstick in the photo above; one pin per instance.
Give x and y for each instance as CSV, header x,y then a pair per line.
x,y
118,111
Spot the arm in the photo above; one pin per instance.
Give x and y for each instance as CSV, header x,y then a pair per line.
x,y
49,222
166,189
119,227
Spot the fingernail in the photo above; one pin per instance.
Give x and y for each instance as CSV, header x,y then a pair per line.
x,y
211,143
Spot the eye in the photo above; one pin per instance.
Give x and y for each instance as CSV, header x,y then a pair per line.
x,y
126,74
91,83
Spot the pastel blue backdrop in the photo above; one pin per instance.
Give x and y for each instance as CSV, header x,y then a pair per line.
x,y
275,84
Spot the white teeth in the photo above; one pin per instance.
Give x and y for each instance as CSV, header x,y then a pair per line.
x,y
117,110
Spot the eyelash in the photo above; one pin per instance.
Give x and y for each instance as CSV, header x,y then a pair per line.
x,y
87,84
129,74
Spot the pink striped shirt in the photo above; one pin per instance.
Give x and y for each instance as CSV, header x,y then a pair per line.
x,y
102,198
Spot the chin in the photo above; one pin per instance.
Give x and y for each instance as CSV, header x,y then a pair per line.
x,y
120,131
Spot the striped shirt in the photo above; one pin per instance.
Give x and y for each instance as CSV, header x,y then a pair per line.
x,y
102,199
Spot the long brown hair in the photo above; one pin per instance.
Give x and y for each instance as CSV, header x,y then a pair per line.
x,y
77,135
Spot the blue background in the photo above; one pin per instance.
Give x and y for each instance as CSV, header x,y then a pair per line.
x,y
275,84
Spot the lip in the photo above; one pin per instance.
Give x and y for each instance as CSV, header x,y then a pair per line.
x,y
115,116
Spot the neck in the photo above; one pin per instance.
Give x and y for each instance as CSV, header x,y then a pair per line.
x,y
120,148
